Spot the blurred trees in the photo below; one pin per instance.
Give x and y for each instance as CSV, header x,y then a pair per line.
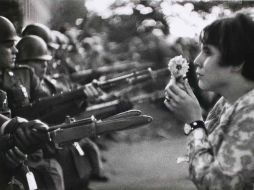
x,y
66,12
142,33
206,6
12,9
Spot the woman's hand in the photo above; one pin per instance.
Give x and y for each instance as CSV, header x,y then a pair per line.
x,y
181,100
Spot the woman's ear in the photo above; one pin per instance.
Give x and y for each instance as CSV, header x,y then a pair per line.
x,y
237,68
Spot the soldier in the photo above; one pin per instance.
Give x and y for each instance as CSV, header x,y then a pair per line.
x,y
32,51
13,159
57,64
18,138
66,64
22,87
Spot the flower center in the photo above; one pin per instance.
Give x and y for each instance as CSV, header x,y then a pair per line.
x,y
179,67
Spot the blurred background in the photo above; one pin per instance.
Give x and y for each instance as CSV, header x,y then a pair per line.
x,y
122,36
125,30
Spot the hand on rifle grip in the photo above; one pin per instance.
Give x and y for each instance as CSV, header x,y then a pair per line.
x,y
30,136
95,94
14,158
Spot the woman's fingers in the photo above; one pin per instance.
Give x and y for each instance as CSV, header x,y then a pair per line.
x,y
188,88
168,105
175,93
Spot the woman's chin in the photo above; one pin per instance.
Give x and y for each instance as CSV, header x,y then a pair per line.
x,y
202,86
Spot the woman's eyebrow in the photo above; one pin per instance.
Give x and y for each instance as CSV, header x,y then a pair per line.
x,y
205,46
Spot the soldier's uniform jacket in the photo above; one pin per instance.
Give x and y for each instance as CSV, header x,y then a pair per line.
x,y
21,85
10,178
5,173
225,159
56,84
76,168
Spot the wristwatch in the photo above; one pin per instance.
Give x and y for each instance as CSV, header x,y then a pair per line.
x,y
188,128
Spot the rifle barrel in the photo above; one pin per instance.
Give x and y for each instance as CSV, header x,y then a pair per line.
x,y
133,77
124,78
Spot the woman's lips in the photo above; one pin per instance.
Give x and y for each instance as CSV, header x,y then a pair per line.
x,y
199,75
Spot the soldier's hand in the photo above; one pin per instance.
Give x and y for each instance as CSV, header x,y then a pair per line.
x,y
28,136
95,94
14,158
12,125
31,135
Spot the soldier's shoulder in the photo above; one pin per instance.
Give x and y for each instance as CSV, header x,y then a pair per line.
x,y
24,68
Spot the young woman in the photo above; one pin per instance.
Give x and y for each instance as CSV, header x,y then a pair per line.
x,y
221,149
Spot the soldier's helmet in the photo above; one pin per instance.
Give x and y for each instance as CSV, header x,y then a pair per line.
x,y
31,48
7,30
61,39
42,31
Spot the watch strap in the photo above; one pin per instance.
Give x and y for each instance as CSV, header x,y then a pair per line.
x,y
195,125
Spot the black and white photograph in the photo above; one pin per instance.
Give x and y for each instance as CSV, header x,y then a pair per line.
x,y
126,95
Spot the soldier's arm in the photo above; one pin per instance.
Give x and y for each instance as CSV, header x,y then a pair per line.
x,y
28,136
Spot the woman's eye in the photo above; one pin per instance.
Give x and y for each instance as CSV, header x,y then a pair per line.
x,y
207,51
9,44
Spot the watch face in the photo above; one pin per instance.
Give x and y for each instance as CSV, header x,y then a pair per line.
x,y
187,129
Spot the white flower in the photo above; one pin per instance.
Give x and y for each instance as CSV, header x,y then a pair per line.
x,y
178,66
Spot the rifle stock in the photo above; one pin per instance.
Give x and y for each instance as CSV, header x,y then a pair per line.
x,y
129,113
45,105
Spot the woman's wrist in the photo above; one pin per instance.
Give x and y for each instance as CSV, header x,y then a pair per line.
x,y
197,124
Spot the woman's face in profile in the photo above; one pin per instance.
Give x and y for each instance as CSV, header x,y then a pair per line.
x,y
211,75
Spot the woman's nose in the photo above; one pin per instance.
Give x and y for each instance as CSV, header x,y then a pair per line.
x,y
198,61
14,50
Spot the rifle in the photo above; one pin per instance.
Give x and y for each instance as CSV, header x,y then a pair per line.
x,y
107,109
87,75
132,78
73,130
49,105
63,102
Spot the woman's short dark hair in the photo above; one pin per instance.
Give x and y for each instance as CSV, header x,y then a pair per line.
x,y
234,37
